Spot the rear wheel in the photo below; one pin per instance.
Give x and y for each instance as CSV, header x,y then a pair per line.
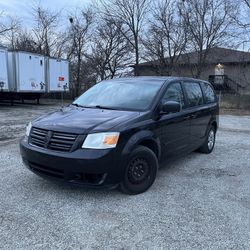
x,y
140,172
209,143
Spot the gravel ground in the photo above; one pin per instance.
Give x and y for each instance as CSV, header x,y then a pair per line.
x,y
197,202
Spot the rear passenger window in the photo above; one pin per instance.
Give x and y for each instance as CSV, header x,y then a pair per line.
x,y
174,93
194,93
209,95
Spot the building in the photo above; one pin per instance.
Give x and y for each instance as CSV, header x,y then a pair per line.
x,y
228,70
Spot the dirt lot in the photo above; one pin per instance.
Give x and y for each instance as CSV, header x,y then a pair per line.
x,y
197,202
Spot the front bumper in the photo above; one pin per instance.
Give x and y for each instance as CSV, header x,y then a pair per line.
x,y
88,167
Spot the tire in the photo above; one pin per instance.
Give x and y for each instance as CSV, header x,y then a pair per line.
x,y
140,172
209,143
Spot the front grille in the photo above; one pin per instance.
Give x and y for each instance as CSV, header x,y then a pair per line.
x,y
57,141
61,141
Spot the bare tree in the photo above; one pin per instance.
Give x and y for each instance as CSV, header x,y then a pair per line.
x,y
207,23
23,40
11,36
45,34
61,45
166,37
110,50
242,22
79,36
8,25
132,14
247,2
4,25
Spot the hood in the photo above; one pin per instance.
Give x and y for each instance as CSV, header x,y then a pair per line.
x,y
83,120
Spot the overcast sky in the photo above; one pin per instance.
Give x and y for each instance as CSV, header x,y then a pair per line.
x,y
22,8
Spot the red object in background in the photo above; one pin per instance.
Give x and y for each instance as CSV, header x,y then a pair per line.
x,y
61,78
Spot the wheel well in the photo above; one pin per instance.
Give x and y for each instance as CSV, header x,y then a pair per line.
x,y
214,124
151,145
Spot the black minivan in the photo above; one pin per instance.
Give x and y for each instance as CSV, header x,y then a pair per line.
x,y
117,132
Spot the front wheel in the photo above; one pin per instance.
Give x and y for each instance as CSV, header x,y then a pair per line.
x,y
140,172
208,145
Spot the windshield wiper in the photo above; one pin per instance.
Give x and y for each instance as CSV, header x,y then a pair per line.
x,y
103,107
93,107
77,105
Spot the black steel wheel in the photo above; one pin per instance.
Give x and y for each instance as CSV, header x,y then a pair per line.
x,y
140,172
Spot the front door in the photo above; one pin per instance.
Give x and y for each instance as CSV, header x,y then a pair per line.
x,y
173,129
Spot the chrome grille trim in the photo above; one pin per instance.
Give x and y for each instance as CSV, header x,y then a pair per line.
x,y
58,141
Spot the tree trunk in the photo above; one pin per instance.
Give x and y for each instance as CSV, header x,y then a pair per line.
x,y
78,83
136,70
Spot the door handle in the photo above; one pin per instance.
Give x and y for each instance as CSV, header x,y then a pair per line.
x,y
188,117
193,116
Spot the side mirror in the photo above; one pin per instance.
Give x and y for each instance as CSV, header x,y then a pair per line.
x,y
170,107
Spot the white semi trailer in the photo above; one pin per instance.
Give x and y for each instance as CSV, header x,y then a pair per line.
x,y
57,74
4,83
26,74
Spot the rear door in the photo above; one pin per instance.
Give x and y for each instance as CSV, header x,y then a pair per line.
x,y
197,111
173,129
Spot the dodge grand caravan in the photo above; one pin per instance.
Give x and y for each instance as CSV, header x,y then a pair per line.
x,y
117,132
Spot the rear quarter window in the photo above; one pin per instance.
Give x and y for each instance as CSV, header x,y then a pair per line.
x,y
209,95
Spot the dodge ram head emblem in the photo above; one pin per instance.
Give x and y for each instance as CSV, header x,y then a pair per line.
x,y
47,139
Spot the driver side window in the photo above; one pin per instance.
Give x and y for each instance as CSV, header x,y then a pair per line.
x,y
174,93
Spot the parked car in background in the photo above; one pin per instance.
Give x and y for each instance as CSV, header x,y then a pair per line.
x,y
117,132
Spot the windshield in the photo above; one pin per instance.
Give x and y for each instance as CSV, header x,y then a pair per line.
x,y
136,94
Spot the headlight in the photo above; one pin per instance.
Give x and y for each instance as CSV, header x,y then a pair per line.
x,y
28,129
101,140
